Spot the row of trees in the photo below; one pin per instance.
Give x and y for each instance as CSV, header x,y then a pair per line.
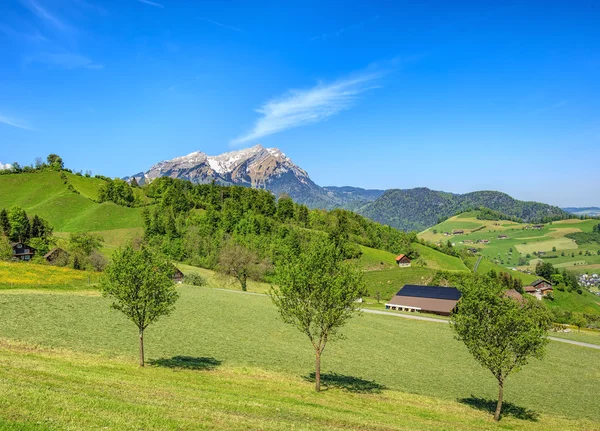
x,y
317,293
53,163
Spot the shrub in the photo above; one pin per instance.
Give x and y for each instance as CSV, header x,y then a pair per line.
x,y
195,279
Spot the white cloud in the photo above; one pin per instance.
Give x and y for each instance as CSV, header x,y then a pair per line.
x,y
300,107
13,122
5,166
151,3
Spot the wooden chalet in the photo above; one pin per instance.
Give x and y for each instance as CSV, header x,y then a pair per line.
x,y
428,299
539,287
403,261
537,226
21,251
57,256
177,275
458,232
502,236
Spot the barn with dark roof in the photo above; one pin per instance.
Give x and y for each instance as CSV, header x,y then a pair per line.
x,y
427,299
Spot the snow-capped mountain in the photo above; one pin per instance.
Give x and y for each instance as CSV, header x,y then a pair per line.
x,y
257,167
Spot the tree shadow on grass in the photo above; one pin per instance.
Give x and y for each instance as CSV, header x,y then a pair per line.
x,y
186,363
508,409
347,383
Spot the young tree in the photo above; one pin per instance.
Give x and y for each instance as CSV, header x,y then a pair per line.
x,y
240,263
501,333
317,294
140,282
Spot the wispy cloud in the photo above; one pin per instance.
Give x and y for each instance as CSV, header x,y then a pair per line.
x,y
43,14
343,30
63,60
5,166
301,107
551,107
14,122
151,3
220,24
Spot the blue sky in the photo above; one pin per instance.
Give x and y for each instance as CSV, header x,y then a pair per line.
x,y
455,96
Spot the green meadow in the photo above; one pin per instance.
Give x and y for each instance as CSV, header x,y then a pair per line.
x,y
216,337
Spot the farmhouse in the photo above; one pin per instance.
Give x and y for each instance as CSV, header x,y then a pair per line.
x,y
429,299
538,226
458,232
177,275
403,261
483,241
56,256
539,288
502,237
473,250
21,251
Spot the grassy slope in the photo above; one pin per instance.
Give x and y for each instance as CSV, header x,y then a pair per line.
x,y
65,210
243,330
45,390
382,274
520,242
20,275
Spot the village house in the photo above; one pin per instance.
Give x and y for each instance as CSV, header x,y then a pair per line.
x,y
403,261
502,237
538,226
539,288
483,241
57,256
177,275
21,251
428,299
458,232
473,250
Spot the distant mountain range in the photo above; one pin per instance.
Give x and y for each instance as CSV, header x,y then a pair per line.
x,y
271,169
589,211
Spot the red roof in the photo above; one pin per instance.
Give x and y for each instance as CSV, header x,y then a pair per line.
x,y
402,256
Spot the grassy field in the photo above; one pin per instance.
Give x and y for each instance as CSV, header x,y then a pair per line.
x,y
521,243
243,331
20,275
48,390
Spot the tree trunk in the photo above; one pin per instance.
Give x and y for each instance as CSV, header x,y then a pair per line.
x,y
243,281
318,372
499,405
141,347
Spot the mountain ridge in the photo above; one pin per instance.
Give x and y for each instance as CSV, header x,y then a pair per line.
x,y
406,209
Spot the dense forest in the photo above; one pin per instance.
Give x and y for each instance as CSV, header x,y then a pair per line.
x,y
196,222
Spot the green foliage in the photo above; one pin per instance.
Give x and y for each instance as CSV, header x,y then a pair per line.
x,y
585,237
6,251
195,279
85,251
545,270
317,294
488,214
20,228
140,283
501,333
240,263
117,191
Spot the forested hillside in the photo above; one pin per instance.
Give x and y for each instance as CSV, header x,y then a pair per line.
x,y
420,208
